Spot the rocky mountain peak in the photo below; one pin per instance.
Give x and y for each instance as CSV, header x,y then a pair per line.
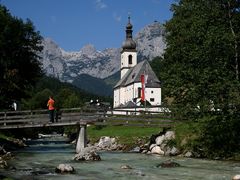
x,y
151,41
88,49
50,47
67,66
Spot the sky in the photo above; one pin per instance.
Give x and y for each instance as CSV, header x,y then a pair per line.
x,y
73,24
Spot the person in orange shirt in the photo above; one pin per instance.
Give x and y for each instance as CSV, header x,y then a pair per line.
x,y
51,108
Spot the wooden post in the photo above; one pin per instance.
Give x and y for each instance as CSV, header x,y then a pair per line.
x,y
82,138
5,118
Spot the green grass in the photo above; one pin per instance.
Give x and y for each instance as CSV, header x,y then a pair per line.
x,y
186,134
2,136
129,136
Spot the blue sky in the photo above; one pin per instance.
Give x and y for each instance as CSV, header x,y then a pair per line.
x,y
75,23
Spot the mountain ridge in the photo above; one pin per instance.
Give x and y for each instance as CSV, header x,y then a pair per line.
x,y
69,66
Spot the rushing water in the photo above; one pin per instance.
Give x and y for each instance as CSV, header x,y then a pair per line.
x,y
39,160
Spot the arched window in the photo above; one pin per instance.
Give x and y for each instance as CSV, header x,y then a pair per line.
x,y
130,59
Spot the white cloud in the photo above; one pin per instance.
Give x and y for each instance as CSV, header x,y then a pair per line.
x,y
100,4
117,17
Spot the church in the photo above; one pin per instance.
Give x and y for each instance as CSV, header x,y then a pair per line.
x,y
139,85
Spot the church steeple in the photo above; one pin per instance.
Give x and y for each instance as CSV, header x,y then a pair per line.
x,y
129,52
129,44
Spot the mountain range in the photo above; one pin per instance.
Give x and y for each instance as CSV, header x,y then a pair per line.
x,y
98,71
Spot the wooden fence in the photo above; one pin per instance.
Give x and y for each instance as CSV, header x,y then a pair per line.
x,y
74,116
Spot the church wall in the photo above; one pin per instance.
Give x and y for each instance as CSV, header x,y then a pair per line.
x,y
153,95
124,94
116,97
124,61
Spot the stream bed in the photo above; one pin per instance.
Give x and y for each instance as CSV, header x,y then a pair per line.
x,y
39,160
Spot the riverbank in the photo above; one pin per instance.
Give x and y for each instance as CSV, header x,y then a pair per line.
x,y
148,140
8,144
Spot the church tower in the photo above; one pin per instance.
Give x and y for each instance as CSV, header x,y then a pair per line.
x,y
129,52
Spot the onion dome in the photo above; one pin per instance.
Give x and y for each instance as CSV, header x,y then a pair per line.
x,y
129,43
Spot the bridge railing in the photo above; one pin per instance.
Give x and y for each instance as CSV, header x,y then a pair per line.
x,y
133,118
71,116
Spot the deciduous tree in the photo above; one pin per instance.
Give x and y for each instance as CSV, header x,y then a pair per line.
x,y
201,64
20,44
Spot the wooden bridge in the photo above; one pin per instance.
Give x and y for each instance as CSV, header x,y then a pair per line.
x,y
82,117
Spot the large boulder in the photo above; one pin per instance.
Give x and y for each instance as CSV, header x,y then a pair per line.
x,y
161,144
157,150
169,135
87,154
64,168
171,151
160,139
107,144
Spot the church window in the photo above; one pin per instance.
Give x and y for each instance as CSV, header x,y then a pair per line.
x,y
139,92
130,59
152,92
152,99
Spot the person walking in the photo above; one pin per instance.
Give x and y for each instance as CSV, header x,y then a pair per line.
x,y
51,108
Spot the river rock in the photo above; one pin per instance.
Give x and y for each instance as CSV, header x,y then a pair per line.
x,y
126,167
106,141
3,164
152,146
169,135
87,154
168,164
236,177
64,168
107,144
173,151
160,139
157,150
188,154
138,173
136,150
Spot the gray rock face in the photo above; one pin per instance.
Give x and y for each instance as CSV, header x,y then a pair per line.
x,y
151,41
66,66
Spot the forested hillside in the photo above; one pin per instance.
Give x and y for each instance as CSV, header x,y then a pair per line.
x,y
66,95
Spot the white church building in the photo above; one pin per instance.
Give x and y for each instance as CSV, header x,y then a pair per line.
x,y
139,86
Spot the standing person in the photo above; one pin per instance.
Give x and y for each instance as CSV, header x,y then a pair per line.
x,y
51,108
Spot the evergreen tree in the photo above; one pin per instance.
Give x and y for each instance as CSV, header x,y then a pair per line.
x,y
19,65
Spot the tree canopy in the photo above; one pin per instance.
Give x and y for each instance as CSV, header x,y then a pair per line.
x,y
20,44
200,73
201,63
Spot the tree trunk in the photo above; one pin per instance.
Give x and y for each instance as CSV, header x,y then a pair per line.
x,y
235,42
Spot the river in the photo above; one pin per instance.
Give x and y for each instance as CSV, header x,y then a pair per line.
x,y
39,160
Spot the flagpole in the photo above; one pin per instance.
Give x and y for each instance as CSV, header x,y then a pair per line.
x,y
144,92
